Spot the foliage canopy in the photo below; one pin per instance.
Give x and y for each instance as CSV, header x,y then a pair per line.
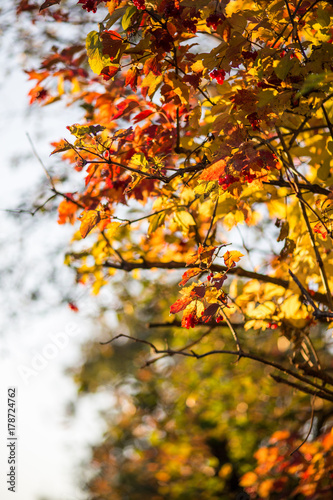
x,y
206,146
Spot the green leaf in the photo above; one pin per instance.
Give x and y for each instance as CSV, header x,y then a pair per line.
x,y
266,96
313,81
97,61
283,68
126,20
323,17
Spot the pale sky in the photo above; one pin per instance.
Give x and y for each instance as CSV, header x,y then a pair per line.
x,y
35,346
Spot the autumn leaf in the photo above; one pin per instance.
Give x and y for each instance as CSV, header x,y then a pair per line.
x,y
204,255
142,116
111,43
96,57
214,171
89,219
210,312
60,147
180,304
109,72
190,274
230,258
48,3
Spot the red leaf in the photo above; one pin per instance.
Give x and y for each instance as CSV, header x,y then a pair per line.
x,y
198,291
209,312
132,78
189,274
109,71
47,4
72,306
112,42
142,115
180,304
125,107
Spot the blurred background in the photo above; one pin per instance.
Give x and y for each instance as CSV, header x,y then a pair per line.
x,y
108,421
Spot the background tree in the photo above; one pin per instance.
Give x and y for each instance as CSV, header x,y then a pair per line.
x,y
201,118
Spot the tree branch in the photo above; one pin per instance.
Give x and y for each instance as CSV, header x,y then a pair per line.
x,y
322,392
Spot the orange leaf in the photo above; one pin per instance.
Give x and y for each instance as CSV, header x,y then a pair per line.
x,y
180,304
204,254
230,258
60,146
214,171
67,211
189,274
89,220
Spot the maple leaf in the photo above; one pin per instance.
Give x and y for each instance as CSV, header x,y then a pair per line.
x,y
214,171
230,258
132,78
89,220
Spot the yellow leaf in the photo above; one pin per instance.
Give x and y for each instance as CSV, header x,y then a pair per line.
x,y
230,258
97,60
112,229
198,66
76,87
184,219
89,220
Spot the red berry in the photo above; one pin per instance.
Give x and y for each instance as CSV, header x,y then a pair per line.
x,y
215,19
227,180
218,75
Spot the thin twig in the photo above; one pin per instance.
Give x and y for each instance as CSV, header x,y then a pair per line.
x,y
40,161
322,392
310,428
